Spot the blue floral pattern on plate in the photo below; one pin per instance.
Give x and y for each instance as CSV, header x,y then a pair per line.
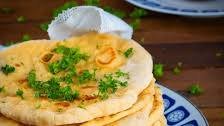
x,y
179,111
197,8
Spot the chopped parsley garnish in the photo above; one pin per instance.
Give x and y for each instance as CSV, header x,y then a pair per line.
x,y
92,2
7,69
85,76
69,95
19,93
44,26
26,37
138,13
195,89
109,84
65,6
21,19
158,70
51,88
70,74
119,74
70,57
135,24
2,89
129,52
176,70
6,10
116,12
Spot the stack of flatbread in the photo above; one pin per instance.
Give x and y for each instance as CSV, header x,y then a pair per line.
x,y
90,80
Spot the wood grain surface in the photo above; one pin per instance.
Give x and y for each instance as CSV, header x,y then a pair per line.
x,y
170,39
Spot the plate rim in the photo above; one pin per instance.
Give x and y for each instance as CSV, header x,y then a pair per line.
x,y
200,112
173,12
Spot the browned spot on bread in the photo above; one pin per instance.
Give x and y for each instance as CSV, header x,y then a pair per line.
x,y
88,90
63,104
47,57
106,56
22,80
89,97
17,65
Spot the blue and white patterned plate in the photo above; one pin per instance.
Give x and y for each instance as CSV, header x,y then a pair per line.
x,y
194,8
179,111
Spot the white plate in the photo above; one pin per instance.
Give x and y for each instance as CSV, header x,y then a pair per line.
x,y
194,8
179,111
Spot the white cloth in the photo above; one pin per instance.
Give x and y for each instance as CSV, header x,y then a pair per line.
x,y
82,19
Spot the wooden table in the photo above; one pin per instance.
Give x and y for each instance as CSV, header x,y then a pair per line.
x,y
170,39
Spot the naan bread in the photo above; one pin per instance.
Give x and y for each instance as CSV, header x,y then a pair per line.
x,y
147,116
27,56
146,98
142,117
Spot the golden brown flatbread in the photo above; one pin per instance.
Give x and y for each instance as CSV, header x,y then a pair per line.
x,y
105,53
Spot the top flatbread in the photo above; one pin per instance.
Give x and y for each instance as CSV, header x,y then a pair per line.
x,y
27,56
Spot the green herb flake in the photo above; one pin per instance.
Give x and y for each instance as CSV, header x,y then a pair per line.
x,y
129,52
158,70
138,13
2,89
19,93
135,24
70,57
21,19
109,84
37,105
92,2
195,89
7,69
86,76
44,26
51,88
119,13
26,37
120,73
176,70
6,10
68,77
65,6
